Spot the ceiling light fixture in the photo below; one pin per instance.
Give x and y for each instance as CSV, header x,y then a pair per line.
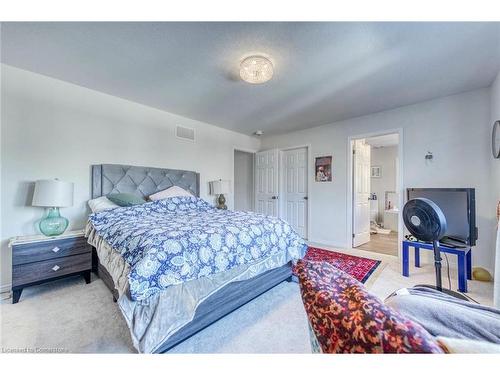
x,y
256,69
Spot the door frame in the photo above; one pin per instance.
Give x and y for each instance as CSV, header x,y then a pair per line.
x,y
350,185
248,151
281,187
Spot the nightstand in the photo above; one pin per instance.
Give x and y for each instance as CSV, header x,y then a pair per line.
x,y
38,259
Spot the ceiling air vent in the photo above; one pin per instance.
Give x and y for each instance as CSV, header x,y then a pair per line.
x,y
184,133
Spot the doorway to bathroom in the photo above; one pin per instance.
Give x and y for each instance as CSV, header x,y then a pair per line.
x,y
243,180
376,193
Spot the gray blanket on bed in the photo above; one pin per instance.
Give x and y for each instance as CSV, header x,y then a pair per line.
x,y
444,315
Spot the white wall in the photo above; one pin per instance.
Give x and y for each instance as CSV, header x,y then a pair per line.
x,y
495,170
455,128
243,181
385,157
495,116
53,129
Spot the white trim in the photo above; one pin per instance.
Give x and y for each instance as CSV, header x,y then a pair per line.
x,y
324,242
402,195
310,176
5,288
248,151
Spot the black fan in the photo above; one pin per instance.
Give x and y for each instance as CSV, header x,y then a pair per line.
x,y
424,220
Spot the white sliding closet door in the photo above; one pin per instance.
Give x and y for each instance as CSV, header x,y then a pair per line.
x,y
266,182
295,189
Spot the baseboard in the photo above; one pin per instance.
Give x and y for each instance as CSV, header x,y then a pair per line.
x,y
320,242
5,288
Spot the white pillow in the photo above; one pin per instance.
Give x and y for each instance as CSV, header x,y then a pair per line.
x,y
101,204
174,191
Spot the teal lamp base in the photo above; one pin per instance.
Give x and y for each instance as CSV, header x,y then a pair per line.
x,y
221,202
53,224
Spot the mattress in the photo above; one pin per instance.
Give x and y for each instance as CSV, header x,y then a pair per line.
x,y
154,320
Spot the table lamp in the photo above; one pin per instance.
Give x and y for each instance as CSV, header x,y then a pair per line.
x,y
53,194
220,187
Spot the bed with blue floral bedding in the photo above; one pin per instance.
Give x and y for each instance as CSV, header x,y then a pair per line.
x,y
180,239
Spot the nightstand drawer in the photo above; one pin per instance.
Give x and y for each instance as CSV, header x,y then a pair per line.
x,y
45,250
33,272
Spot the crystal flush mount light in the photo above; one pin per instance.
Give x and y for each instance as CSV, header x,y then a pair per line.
x,y
256,69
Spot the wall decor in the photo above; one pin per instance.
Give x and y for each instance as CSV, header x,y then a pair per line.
x,y
323,169
376,171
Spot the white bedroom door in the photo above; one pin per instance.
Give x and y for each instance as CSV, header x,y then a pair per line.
x,y
361,193
295,189
266,182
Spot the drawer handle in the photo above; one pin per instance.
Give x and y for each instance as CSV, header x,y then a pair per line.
x,y
55,268
55,249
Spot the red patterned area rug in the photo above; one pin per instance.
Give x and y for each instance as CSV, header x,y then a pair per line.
x,y
358,267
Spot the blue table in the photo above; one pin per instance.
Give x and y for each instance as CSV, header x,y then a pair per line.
x,y
464,260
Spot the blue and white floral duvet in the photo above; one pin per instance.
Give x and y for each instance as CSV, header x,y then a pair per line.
x,y
178,239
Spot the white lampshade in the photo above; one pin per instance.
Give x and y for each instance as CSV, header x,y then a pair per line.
x,y
220,187
53,193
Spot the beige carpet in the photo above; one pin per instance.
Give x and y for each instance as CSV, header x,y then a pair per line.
x,y
70,316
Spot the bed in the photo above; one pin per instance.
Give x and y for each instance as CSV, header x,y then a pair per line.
x,y
158,321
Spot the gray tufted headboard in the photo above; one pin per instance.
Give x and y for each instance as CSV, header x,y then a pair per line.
x,y
143,181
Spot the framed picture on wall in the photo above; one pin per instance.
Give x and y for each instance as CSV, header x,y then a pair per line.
x,y
376,171
323,169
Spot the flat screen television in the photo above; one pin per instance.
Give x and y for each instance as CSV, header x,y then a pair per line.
x,y
459,208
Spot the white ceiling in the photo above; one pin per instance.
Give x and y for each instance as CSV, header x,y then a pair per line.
x,y
324,72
